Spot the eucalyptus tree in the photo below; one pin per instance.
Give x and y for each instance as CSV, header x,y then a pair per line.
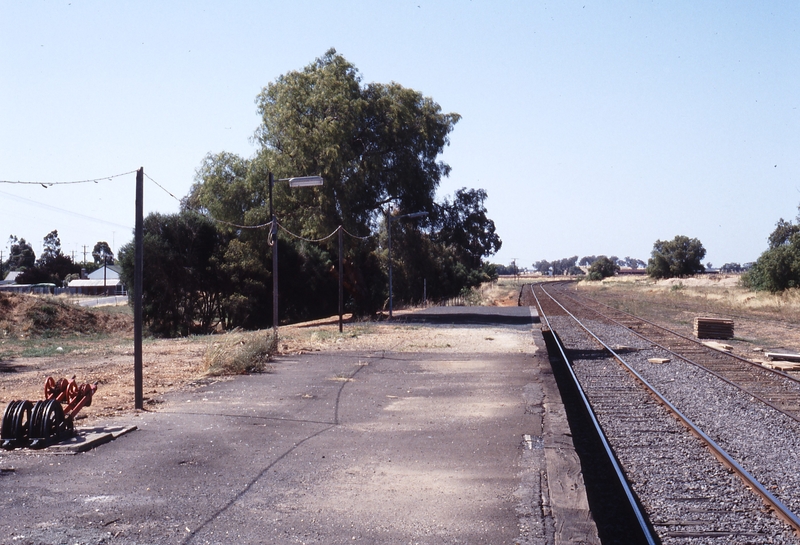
x,y
21,255
377,147
102,254
681,256
375,144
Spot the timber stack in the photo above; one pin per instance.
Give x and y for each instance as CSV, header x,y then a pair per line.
x,y
713,328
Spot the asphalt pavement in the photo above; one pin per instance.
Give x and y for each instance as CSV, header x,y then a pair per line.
x,y
383,447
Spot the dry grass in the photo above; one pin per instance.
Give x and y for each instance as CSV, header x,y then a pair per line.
x,y
503,292
718,295
238,352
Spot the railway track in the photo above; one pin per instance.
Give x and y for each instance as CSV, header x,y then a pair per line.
x,y
644,411
770,386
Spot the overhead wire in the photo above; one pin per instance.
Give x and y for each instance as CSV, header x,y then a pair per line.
x,y
164,189
104,178
63,211
261,225
323,239
48,184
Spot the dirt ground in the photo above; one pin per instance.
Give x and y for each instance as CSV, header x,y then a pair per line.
x,y
41,337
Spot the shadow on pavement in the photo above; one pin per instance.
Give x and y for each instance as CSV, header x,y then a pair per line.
x,y
471,316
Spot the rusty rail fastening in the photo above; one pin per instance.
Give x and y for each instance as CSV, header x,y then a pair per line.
x,y
35,425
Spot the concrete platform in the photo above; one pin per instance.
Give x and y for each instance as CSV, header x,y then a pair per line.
x,y
88,438
424,441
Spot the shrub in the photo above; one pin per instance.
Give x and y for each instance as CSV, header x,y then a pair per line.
x,y
679,257
777,269
602,267
239,353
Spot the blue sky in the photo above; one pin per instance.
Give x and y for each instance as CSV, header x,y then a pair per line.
x,y
595,128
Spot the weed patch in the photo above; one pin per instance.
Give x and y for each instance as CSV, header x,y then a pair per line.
x,y
238,353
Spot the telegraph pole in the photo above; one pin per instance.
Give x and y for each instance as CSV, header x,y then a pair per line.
x,y
138,275
341,278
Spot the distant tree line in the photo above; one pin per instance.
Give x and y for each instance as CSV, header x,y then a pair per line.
x,y
681,256
377,147
53,266
572,265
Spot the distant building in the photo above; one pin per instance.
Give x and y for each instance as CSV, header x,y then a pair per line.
x,y
11,278
103,281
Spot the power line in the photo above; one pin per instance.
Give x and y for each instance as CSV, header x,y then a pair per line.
x,y
63,211
259,226
48,184
164,189
323,239
351,235
223,222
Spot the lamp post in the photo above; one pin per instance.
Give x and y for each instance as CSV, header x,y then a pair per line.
x,y
389,220
302,181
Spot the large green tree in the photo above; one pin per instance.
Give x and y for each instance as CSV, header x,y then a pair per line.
x,y
102,254
679,257
377,146
602,267
373,144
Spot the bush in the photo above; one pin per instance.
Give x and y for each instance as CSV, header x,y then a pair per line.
x,y
679,257
239,353
602,267
777,269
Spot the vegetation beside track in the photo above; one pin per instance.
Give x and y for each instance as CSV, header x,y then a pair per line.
x,y
762,319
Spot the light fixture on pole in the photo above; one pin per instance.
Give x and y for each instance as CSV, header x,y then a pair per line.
x,y
301,181
389,220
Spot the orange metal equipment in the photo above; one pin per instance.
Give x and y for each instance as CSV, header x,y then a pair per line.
x,y
36,424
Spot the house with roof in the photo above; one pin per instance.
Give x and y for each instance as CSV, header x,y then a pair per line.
x,y
11,278
103,281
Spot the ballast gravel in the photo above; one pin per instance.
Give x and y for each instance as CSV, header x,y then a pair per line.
x,y
689,496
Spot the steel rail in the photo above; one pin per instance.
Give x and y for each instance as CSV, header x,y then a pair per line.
x,y
640,518
681,335
774,503
793,414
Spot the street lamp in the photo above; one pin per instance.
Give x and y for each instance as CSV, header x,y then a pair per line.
x,y
301,181
389,220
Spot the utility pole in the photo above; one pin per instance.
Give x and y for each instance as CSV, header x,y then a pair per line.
x,y
84,254
298,181
138,275
341,278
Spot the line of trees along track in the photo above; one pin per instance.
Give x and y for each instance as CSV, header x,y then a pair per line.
x,y
689,497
